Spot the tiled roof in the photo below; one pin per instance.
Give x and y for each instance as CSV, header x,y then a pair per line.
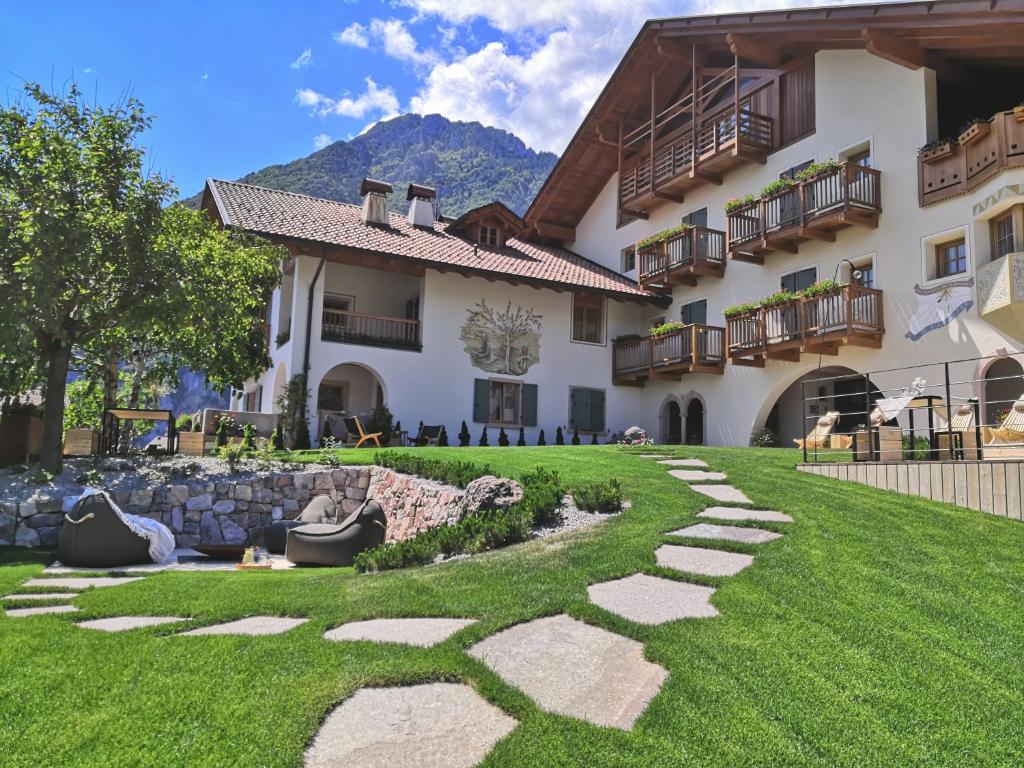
x,y
272,213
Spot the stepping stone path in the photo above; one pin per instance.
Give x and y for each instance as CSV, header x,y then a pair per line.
x,y
254,625
738,513
571,668
724,493
82,582
17,613
653,600
43,596
422,632
727,532
684,462
695,475
124,623
438,725
705,562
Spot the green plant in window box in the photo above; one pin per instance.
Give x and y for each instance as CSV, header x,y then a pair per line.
x,y
777,186
741,309
626,337
738,202
824,286
816,169
666,328
778,298
661,237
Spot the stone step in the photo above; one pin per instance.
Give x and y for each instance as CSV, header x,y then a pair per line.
x,y
739,513
728,533
705,562
684,463
723,493
422,632
125,623
695,475
40,610
653,600
81,582
253,625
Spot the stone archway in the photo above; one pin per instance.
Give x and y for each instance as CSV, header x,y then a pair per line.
x,y
695,422
347,389
671,422
1003,384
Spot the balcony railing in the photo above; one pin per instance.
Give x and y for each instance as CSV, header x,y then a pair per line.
x,y
691,349
981,153
370,330
681,259
851,314
811,209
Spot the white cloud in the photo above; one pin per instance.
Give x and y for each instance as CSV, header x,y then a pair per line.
x,y
374,100
321,140
304,60
353,34
204,76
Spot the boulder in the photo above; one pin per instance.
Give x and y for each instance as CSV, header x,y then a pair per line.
x,y
232,532
26,537
490,492
209,530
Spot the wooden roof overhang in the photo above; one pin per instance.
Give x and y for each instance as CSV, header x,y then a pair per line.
x,y
949,36
510,221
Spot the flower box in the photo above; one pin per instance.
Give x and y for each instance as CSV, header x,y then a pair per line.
x,y
191,443
936,152
1018,113
974,132
81,442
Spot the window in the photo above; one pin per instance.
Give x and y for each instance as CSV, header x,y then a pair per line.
x,y
497,401
860,157
253,400
489,235
791,173
695,312
951,258
697,218
627,258
331,397
867,273
586,409
797,281
1002,235
588,319
504,407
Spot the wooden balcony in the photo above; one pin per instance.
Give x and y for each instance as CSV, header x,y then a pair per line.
x,y
980,154
813,209
821,324
697,252
370,330
691,349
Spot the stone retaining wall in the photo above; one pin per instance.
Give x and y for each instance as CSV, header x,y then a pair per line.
x,y
235,511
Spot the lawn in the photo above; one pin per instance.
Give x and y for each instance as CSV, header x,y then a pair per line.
x,y
881,630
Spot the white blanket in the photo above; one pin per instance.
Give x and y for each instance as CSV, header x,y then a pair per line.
x,y
159,536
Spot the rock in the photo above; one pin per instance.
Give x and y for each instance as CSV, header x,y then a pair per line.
x,y
48,536
276,513
8,515
222,487
209,531
290,507
192,515
140,499
26,537
355,493
177,494
188,540
177,520
44,520
304,481
223,507
350,506
242,492
232,532
322,481
27,509
283,481
201,502
49,504
263,496
490,492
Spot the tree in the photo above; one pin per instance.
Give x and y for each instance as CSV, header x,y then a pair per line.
x,y
575,437
540,438
559,436
522,437
91,263
483,438
502,438
464,436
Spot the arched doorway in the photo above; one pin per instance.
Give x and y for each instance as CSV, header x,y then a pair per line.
x,y
695,422
348,389
1004,383
672,423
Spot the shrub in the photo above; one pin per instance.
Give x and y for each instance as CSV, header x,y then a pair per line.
x,y
442,438
540,438
464,436
776,186
483,438
559,436
626,337
458,473
665,234
542,495
664,328
763,438
593,439
575,437
276,439
328,451
293,421
522,437
232,454
502,438
222,431
738,202
183,423
90,477
248,438
17,469
815,168
599,497
739,309
918,451
380,420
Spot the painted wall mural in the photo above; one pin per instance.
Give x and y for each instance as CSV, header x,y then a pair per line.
x,y
939,305
506,341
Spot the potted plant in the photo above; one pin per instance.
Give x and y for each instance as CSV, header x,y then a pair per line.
x,y
666,328
661,237
741,310
936,150
738,202
776,187
974,130
814,170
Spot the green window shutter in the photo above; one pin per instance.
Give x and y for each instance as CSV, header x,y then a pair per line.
x,y
579,416
529,405
597,410
481,400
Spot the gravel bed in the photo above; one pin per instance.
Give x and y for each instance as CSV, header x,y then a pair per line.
x,y
572,517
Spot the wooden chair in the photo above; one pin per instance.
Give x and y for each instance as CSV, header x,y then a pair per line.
x,y
1007,440
961,424
356,435
820,435
428,435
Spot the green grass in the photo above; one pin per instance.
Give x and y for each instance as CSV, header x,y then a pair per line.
x,y
881,630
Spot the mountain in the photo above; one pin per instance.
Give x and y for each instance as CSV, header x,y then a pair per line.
x,y
469,165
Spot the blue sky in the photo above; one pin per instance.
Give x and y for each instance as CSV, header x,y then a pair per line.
x,y
236,86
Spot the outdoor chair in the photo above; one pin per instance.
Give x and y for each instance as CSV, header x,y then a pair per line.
x,y
321,509
95,536
1007,440
965,439
357,435
818,436
428,435
337,545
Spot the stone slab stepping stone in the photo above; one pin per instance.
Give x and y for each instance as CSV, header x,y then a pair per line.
x,y
254,625
438,725
653,455
696,475
724,493
684,462
34,596
124,623
737,513
17,613
571,668
81,582
727,532
706,562
652,600
421,632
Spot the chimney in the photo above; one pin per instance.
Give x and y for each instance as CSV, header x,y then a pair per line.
x,y
421,205
375,201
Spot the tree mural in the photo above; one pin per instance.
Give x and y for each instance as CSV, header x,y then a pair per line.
x,y
506,341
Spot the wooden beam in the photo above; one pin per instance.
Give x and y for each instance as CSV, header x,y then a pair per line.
x,y
894,49
751,50
555,231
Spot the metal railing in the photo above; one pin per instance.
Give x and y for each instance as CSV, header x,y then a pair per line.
x,y
697,245
370,330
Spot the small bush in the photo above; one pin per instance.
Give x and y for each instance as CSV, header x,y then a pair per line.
x,y
919,451
522,437
599,497
764,438
483,438
277,439
575,437
542,495
442,439
232,454
593,439
458,473
17,469
248,438
502,438
183,423
559,436
464,437
41,477
90,477
540,438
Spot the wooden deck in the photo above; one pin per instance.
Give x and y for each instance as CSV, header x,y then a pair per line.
x,y
821,324
681,260
692,349
815,209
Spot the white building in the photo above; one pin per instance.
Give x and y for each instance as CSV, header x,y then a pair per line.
x,y
933,241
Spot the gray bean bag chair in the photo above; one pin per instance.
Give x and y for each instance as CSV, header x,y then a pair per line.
x,y
93,536
321,509
337,545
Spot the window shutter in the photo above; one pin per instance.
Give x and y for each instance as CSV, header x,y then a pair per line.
x,y
529,405
579,415
481,400
596,410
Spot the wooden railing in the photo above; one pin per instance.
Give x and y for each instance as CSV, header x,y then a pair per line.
x,y
693,346
984,153
371,330
695,246
846,188
837,316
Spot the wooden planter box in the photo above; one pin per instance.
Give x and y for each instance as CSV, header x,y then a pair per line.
x,y
191,443
81,442
974,133
1018,113
21,437
937,153
890,445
